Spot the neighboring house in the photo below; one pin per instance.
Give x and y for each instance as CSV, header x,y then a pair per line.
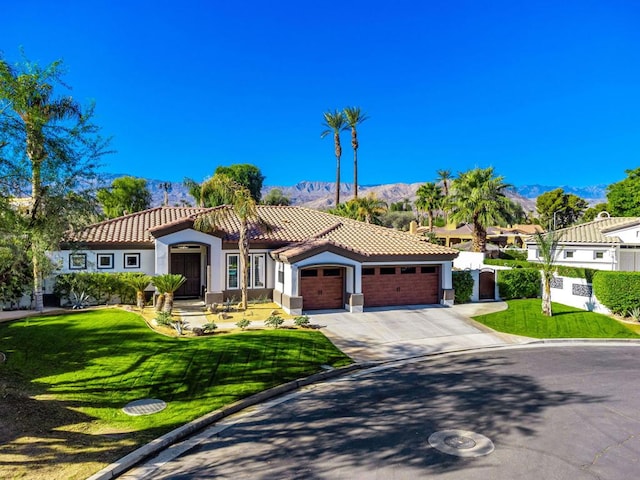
x,y
305,260
501,236
607,243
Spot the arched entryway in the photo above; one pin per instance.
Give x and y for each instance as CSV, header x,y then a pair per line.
x,y
487,287
322,288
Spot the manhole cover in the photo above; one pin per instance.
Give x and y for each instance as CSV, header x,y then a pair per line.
x,y
461,443
146,406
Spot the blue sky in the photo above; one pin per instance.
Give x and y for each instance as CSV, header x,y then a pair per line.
x,y
544,91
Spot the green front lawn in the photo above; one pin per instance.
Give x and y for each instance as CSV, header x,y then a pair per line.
x,y
524,317
67,377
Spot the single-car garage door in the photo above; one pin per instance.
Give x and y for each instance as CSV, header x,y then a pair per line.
x,y
322,288
400,285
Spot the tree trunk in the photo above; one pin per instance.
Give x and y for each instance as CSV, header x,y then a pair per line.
x,y
38,296
159,303
243,245
140,299
430,216
338,150
546,298
479,238
354,145
168,302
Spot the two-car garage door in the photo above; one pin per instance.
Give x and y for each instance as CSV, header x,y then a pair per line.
x,y
323,287
400,285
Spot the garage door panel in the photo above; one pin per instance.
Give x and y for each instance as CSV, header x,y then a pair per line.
x,y
406,285
322,288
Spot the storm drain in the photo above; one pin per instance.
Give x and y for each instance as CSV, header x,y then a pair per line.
x,y
461,443
146,406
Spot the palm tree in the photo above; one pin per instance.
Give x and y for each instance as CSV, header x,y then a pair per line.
x,y
139,282
354,117
369,209
335,123
166,187
445,176
478,197
167,285
30,96
547,248
194,189
244,207
429,200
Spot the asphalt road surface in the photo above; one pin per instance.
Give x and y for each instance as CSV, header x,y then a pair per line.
x,y
564,412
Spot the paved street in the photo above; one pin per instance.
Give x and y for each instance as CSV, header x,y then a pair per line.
x,y
564,412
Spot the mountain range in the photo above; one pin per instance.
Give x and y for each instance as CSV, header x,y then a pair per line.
x,y
321,195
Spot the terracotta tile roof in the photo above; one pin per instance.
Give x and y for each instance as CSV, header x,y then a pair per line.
x,y
133,228
594,231
287,226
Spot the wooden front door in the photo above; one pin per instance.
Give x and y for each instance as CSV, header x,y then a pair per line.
x,y
487,287
187,264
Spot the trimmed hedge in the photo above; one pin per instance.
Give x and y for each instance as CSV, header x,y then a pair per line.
x,y
519,283
562,270
463,286
99,287
618,291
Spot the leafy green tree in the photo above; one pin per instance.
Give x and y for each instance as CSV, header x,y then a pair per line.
x,y
399,220
558,209
126,195
478,197
591,213
335,123
429,200
624,197
401,206
195,190
275,196
50,150
246,175
244,207
547,250
354,117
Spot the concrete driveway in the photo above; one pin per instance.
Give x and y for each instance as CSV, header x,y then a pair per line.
x,y
381,334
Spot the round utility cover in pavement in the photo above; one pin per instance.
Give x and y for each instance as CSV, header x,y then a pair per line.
x,y
146,406
461,443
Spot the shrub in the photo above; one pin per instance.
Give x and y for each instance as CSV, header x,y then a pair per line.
x,y
302,321
243,323
618,291
163,318
209,327
463,286
519,283
513,254
509,263
274,321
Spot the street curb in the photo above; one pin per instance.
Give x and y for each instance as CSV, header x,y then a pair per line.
x,y
135,457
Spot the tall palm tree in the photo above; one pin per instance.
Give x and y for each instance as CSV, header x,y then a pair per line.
x,y
166,187
429,200
547,250
30,96
354,117
445,177
335,123
478,197
239,198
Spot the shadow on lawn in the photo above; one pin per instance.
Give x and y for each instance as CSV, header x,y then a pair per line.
x,y
104,365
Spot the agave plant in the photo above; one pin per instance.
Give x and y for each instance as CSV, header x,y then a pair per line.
x,y
167,285
139,282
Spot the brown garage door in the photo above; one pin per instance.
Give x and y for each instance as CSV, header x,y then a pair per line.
x,y
405,285
322,288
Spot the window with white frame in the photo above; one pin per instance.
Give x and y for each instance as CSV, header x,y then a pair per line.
x,y
598,255
280,272
568,254
105,260
256,267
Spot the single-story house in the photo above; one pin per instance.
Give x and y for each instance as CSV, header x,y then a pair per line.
x,y
514,235
303,259
606,243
